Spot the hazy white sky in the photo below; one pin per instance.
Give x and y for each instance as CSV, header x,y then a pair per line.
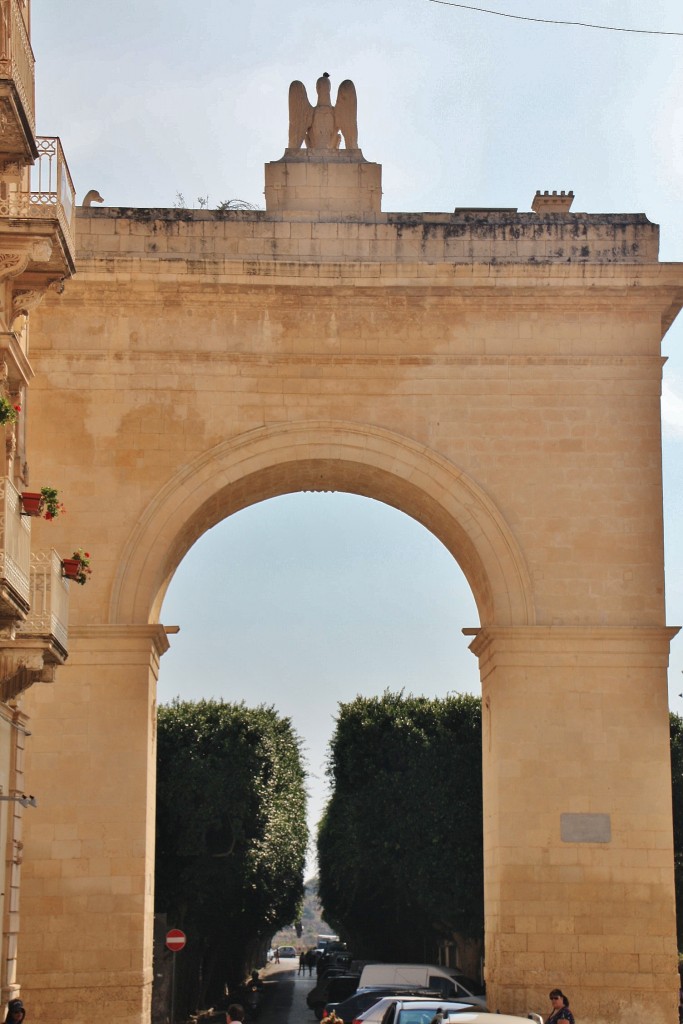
x,y
309,599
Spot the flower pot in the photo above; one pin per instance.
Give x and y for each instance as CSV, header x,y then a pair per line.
x,y
31,502
71,568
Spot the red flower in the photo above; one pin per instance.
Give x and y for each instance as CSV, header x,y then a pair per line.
x,y
17,408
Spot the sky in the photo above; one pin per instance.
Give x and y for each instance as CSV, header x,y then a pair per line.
x,y
307,600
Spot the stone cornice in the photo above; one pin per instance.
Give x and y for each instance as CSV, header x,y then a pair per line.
x,y
578,644
171,270
118,636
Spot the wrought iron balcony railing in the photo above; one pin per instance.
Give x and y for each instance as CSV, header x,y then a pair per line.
x,y
15,553
48,618
52,188
52,195
16,58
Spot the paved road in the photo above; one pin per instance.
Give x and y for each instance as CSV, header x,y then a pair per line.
x,y
285,1001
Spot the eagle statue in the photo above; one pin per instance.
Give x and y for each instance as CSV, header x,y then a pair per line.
x,y
320,126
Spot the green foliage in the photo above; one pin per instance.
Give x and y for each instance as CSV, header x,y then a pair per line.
x,y
9,411
231,831
676,738
400,843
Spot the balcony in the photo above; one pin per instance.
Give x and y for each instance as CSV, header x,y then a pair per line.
x,y
46,213
17,88
15,556
48,619
31,652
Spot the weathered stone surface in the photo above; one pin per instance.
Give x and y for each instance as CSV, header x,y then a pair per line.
x,y
496,375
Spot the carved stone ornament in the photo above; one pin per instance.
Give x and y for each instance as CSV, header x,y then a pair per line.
x,y
10,132
10,441
11,169
13,263
320,126
41,251
23,303
93,196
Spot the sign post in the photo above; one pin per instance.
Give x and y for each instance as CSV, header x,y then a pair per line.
x,y
175,941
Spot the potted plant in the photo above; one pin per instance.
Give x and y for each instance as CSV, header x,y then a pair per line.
x,y
77,568
31,503
9,411
43,503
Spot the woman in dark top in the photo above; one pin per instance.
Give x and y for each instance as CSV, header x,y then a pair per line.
x,y
560,1005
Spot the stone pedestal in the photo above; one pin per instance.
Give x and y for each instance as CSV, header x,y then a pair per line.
x,y
340,183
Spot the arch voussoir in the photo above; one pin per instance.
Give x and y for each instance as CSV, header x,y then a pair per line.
x,y
326,456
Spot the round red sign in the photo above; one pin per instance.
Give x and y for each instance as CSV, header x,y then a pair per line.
x,y
175,940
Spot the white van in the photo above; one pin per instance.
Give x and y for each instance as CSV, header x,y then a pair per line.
x,y
452,984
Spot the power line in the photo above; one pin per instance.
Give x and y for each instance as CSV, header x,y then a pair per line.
x,y
553,21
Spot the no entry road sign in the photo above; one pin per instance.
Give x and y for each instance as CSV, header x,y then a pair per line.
x,y
175,940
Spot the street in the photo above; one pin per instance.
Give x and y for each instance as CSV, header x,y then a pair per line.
x,y
285,999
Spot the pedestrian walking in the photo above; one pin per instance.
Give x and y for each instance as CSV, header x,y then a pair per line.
x,y
560,1008
15,1012
310,961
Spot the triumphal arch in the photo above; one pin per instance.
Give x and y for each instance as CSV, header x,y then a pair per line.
x,y
496,375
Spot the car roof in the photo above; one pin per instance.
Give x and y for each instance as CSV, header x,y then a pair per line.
x,y
384,990
420,1002
419,991
482,1017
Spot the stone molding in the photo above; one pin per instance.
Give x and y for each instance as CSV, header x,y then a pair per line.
x,y
112,636
572,646
327,455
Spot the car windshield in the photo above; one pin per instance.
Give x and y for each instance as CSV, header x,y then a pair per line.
x,y
416,1016
425,1013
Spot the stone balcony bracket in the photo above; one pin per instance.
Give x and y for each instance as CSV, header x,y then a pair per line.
x,y
22,664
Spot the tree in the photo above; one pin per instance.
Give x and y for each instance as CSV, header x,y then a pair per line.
x,y
231,833
676,740
400,843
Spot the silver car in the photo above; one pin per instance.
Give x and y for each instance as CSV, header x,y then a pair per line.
x,y
416,1010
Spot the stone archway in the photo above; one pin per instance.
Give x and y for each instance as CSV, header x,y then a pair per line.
x,y
358,458
494,374
109,684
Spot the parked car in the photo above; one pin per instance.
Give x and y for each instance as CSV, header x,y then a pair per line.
x,y
331,987
483,1017
336,956
415,1010
364,998
287,952
450,982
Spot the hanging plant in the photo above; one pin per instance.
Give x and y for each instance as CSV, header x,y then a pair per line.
x,y
44,503
51,505
9,411
77,568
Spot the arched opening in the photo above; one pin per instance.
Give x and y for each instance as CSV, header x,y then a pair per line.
x,y
307,600
325,457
